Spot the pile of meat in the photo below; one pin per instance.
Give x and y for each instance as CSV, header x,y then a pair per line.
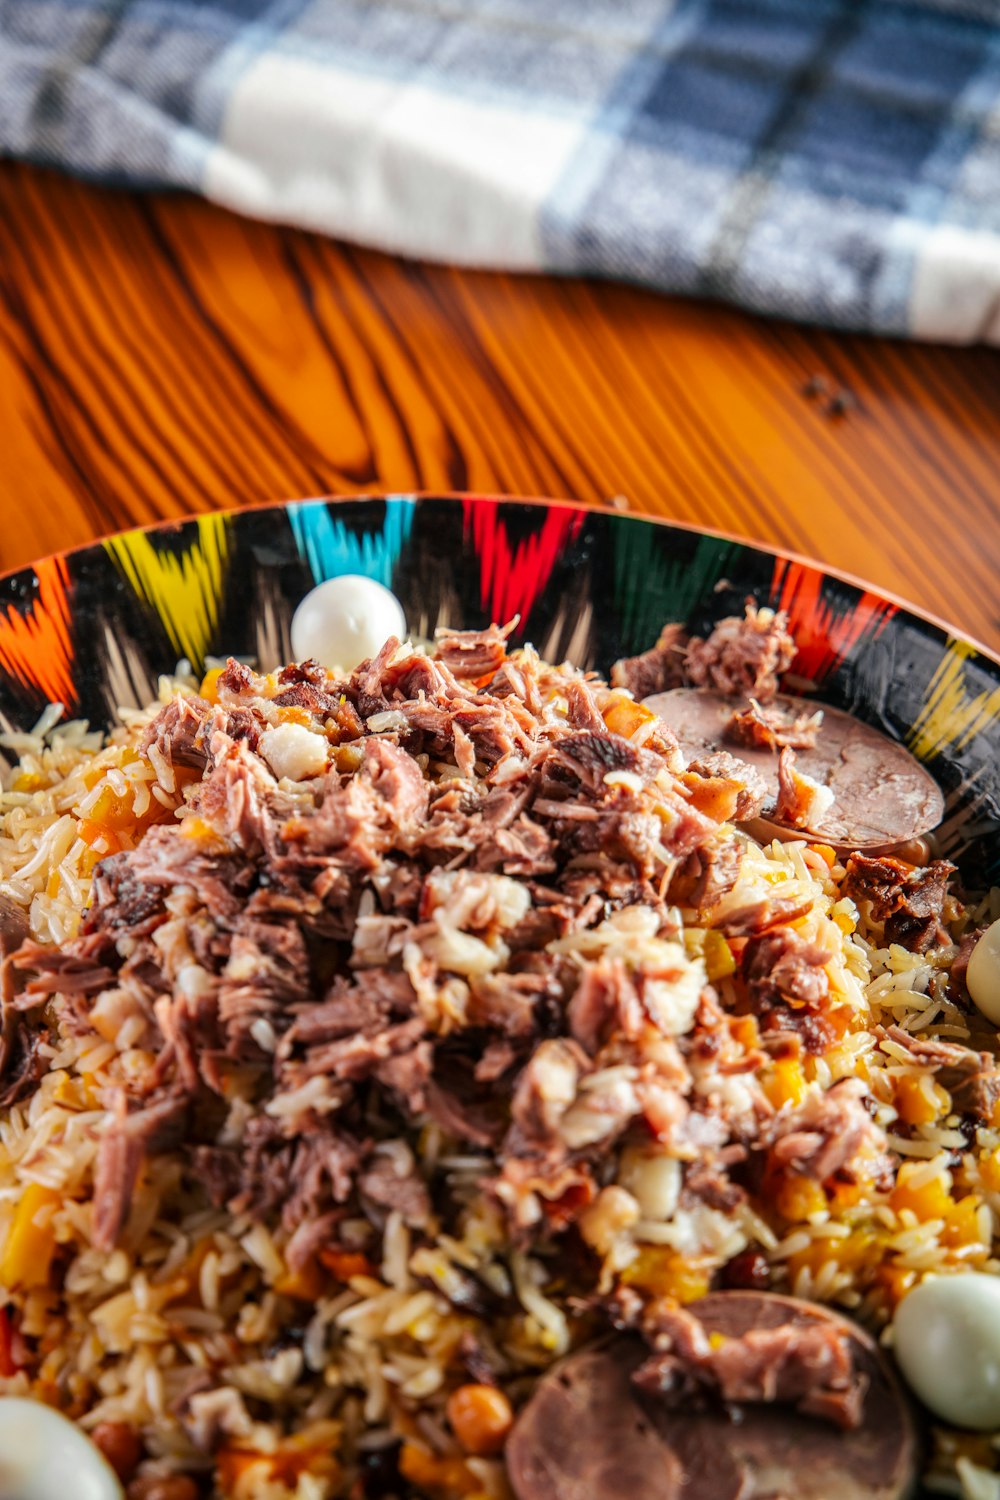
x,y
466,918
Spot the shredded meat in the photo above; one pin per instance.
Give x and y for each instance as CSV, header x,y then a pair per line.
x,y
472,655
743,657
435,931
779,964
762,916
181,732
909,902
801,802
808,1366
656,670
158,1126
20,1064
773,728
715,871
826,1132
971,1078
751,788
390,1186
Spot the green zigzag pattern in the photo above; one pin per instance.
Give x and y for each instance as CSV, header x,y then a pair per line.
x,y
651,588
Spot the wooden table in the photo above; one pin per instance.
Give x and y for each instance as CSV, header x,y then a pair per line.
x,y
159,357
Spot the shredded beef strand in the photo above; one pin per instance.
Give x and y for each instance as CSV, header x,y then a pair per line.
x,y
910,902
773,728
809,1366
743,657
656,670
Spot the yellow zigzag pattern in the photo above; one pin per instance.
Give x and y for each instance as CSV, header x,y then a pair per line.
x,y
951,716
186,589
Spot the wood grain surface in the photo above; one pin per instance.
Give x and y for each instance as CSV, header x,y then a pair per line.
x,y
160,357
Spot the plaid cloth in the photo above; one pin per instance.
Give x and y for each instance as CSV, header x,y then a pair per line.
x,y
828,160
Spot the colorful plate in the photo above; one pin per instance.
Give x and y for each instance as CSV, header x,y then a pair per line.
x,y
93,628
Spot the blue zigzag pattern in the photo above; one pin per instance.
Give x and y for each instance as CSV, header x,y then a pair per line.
x,y
332,549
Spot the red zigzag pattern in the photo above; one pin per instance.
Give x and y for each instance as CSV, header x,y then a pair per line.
x,y
824,637
512,578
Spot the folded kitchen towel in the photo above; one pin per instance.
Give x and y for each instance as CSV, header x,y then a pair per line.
x,y
829,160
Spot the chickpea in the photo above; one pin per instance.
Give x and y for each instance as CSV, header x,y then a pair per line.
x,y
480,1418
121,1446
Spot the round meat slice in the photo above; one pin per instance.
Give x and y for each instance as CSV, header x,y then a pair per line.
x,y
589,1434
882,796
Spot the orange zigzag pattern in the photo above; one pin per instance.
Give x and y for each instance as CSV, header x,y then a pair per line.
x,y
511,579
823,636
35,644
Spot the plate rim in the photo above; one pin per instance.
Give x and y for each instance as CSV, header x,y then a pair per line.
x,y
853,580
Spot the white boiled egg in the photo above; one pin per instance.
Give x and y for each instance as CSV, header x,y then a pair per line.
x,y
947,1341
983,976
345,620
45,1457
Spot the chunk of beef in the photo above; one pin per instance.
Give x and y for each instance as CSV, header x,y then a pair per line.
x,y
606,1001
236,680
656,670
909,902
523,848
398,780
407,1075
20,1065
234,799
472,655
743,657
157,1125
779,964
751,788
773,728
825,1133
181,731
355,1058
762,916
808,1365
510,1003
392,1183
325,1163
268,1172
80,968
959,972
581,706
714,871
707,1182
120,900
801,802
267,971
971,1078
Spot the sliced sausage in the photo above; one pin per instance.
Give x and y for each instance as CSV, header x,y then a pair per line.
x,y
882,796
589,1434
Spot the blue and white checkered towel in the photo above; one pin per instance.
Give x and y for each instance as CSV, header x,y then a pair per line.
x,y
830,160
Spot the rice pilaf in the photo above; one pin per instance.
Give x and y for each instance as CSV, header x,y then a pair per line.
x,y
412,1014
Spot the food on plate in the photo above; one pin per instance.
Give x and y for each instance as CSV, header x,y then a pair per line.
x,y
375,1041
820,1412
821,771
849,785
